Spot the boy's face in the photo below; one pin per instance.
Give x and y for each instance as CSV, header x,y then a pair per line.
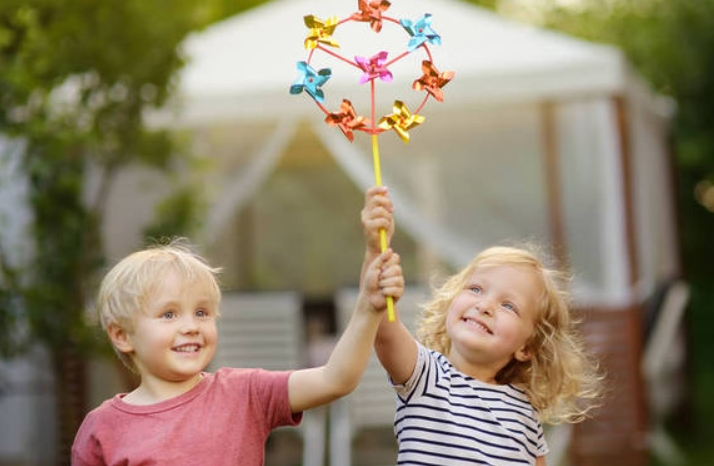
x,y
174,338
492,318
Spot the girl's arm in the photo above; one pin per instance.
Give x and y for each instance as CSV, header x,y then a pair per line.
x,y
395,346
308,388
396,349
540,461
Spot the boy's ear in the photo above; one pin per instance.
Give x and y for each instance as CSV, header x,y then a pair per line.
x,y
119,338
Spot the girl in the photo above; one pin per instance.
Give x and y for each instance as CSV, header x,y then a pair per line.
x,y
496,355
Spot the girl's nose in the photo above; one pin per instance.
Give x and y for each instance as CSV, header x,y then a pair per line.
x,y
485,306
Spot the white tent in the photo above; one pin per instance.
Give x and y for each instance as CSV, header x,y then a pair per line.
x,y
540,135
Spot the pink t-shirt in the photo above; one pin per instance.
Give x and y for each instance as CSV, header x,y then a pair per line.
x,y
224,420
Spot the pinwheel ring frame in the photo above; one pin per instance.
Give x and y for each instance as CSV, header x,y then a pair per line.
x,y
377,67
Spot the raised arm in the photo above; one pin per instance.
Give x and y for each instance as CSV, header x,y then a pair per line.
x,y
313,387
395,346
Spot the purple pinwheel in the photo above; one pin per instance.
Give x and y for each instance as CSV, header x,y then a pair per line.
x,y
310,81
420,31
374,67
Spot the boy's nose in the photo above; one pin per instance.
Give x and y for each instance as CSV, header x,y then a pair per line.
x,y
189,325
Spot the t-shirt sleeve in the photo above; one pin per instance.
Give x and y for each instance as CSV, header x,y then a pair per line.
x,y
271,388
85,448
543,448
407,388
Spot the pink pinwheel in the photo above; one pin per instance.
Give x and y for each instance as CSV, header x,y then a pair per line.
x,y
374,67
432,81
371,11
347,120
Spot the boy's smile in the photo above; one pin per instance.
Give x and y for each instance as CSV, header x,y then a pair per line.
x,y
174,338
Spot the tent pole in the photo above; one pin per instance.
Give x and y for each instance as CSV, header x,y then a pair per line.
x,y
551,161
625,143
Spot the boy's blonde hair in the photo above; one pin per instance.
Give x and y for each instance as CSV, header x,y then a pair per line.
x,y
560,379
126,288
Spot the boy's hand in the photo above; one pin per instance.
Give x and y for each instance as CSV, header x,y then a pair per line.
x,y
377,215
383,278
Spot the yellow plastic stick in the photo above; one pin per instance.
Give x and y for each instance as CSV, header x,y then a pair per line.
x,y
382,232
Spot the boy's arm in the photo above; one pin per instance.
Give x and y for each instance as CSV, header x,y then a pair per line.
x,y
308,388
395,346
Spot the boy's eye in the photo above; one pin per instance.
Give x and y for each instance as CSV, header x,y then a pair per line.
x,y
201,313
168,315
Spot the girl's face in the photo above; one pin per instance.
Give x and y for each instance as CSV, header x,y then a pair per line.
x,y
175,336
491,319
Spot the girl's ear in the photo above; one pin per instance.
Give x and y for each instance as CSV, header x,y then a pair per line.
x,y
120,338
523,354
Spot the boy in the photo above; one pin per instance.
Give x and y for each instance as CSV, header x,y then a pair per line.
x,y
159,308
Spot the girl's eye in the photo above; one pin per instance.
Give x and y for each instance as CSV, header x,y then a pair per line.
x,y
168,315
509,306
475,288
201,313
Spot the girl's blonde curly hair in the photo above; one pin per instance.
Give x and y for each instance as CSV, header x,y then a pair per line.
x,y
561,380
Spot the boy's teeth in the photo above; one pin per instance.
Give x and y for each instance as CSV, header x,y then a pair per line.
x,y
187,349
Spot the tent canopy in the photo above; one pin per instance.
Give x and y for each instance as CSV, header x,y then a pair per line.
x,y
540,137
242,67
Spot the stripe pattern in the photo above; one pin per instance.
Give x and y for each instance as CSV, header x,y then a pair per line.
x,y
447,418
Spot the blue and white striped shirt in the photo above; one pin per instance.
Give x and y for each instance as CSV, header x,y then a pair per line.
x,y
447,418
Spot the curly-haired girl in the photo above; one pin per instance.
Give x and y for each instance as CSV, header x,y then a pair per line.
x,y
496,355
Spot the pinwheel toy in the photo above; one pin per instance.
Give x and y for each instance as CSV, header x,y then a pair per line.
x,y
419,36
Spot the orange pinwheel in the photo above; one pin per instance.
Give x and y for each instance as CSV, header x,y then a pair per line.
x,y
347,120
371,11
432,81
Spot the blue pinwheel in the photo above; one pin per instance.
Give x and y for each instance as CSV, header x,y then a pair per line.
x,y
310,81
420,31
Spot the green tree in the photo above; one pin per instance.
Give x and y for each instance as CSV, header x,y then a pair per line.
x,y
76,77
669,42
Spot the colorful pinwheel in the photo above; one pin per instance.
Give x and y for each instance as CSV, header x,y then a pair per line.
x,y
432,81
420,31
347,120
310,81
401,120
371,12
374,68
320,31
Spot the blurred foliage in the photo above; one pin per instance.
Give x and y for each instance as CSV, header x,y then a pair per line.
x,y
670,43
76,77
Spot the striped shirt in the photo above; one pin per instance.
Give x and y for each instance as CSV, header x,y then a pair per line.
x,y
447,418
